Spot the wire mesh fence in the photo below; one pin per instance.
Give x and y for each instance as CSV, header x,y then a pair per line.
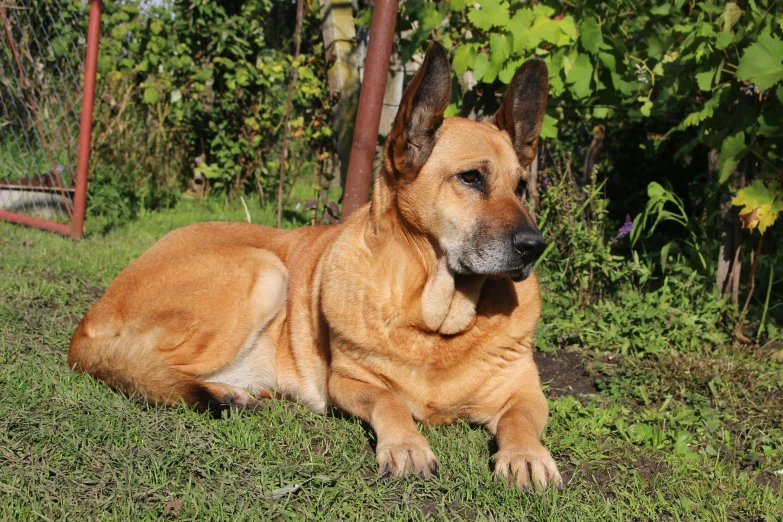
x,y
43,45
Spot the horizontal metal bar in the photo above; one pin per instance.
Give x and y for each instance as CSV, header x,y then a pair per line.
x,y
31,221
33,188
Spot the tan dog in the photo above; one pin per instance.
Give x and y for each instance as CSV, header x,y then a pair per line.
x,y
420,307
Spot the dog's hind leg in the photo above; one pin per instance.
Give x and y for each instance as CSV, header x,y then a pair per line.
x,y
202,340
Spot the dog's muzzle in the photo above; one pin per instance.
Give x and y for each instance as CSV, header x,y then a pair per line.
x,y
528,245
504,255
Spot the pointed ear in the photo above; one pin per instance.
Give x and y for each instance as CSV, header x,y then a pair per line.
x,y
523,110
412,135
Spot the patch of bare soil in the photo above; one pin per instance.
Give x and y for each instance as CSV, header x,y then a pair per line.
x,y
566,374
603,474
648,469
771,481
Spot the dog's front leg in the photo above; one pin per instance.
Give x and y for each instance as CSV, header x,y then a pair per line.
x,y
401,448
521,458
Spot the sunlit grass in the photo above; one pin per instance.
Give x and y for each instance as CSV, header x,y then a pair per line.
x,y
70,448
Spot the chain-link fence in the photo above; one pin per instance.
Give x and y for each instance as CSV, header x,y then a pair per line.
x,y
47,81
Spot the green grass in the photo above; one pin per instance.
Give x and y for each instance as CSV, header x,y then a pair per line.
x,y
72,449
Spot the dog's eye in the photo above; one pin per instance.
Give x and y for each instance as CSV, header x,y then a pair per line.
x,y
472,178
522,187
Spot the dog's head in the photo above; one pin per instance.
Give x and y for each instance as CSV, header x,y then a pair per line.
x,y
461,182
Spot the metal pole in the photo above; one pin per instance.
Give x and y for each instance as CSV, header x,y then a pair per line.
x,y
85,125
368,118
31,221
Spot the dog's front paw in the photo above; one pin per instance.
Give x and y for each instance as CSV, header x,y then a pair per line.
x,y
527,466
408,455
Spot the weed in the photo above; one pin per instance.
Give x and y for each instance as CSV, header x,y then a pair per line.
x,y
597,297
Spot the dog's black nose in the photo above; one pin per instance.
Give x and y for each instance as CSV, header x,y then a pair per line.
x,y
528,243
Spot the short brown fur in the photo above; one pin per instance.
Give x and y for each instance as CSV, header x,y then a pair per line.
x,y
420,307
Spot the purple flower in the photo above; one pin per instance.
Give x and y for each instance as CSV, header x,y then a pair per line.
x,y
624,230
59,169
545,182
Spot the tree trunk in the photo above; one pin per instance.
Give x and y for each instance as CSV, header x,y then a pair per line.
x,y
339,33
591,158
395,85
730,260
726,252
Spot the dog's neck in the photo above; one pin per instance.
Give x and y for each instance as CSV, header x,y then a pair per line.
x,y
447,301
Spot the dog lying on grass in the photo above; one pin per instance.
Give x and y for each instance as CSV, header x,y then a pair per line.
x,y
420,307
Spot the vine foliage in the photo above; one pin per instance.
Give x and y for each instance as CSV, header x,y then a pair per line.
x,y
712,69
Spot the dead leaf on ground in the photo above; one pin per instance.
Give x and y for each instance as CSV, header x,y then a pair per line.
x,y
173,506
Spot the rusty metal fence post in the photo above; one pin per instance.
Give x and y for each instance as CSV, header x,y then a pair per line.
x,y
368,118
46,80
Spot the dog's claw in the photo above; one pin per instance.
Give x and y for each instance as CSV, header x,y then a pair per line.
x,y
412,456
435,468
530,469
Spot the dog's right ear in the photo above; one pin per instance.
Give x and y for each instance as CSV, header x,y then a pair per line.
x,y
523,111
420,114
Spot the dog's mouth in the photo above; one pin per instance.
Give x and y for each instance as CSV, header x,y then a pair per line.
x,y
521,273
516,274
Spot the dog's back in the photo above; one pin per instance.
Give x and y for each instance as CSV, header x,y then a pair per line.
x,y
195,307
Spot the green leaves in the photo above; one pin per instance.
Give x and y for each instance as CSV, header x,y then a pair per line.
x,y
613,64
208,80
731,15
591,36
549,127
480,66
491,13
519,26
659,197
464,58
707,79
731,152
724,40
579,76
545,30
501,45
151,96
428,16
707,110
762,62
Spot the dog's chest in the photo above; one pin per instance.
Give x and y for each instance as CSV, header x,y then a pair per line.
x,y
458,377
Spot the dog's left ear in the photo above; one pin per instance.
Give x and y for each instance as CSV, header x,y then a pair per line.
x,y
421,113
523,110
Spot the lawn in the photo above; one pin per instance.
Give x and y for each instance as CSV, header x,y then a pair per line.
x,y
674,436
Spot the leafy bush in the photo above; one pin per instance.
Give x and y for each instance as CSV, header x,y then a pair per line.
x,y
619,62
596,297
687,95
226,88
200,86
